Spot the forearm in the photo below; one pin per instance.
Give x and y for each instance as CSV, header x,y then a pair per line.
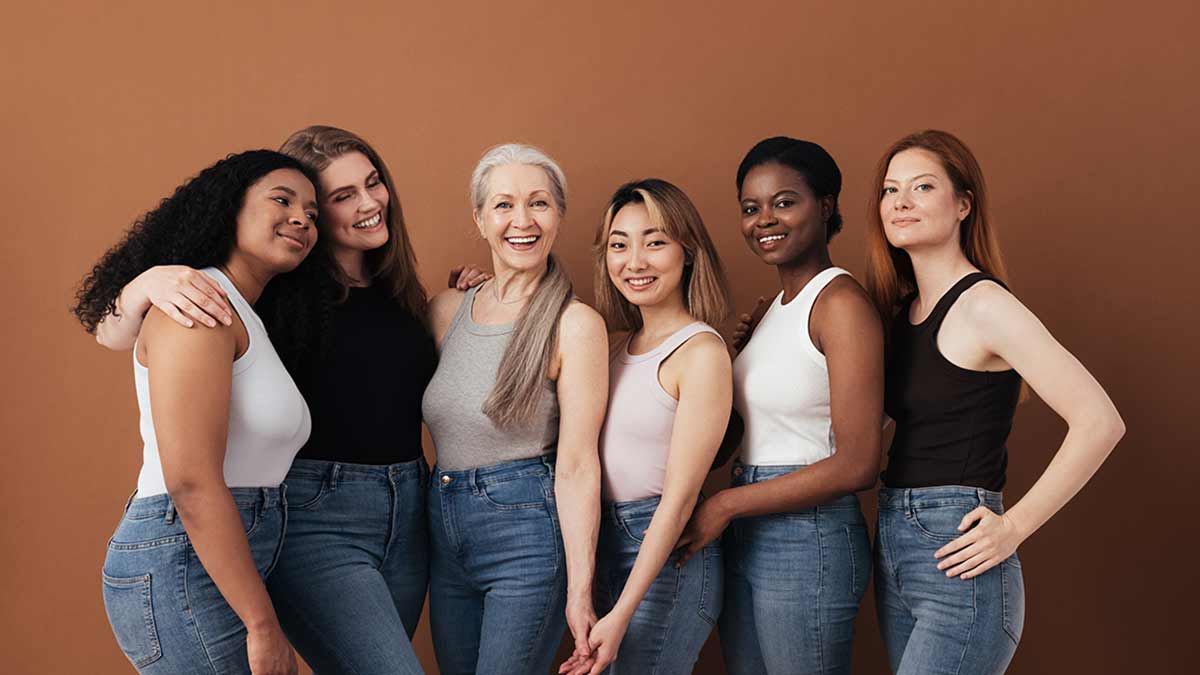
x,y
577,493
813,485
657,544
119,331
1083,450
215,530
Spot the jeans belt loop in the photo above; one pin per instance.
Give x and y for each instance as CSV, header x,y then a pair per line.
x,y
473,481
169,518
333,475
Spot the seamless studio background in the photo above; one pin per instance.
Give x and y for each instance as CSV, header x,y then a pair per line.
x,y
1083,116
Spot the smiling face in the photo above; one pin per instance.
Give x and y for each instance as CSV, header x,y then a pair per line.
x,y
354,204
519,217
644,264
919,205
276,226
782,219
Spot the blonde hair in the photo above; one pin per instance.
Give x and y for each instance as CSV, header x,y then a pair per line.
x,y
705,290
527,359
395,262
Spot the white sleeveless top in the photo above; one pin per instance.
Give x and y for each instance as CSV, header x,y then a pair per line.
x,y
781,384
268,418
636,437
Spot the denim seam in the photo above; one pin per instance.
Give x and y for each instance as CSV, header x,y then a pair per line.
x,y
391,533
1004,618
552,598
853,566
283,512
144,581
145,545
820,596
317,499
662,638
705,584
962,658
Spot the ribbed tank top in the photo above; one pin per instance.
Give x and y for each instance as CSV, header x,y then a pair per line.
x,y
636,437
268,418
466,438
781,384
951,423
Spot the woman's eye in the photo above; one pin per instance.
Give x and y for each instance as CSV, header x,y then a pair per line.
x,y
374,182
311,216
541,203
925,187
657,242
783,203
282,200
342,197
749,210
616,246
887,190
503,205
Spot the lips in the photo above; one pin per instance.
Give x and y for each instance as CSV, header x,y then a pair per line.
x,y
523,242
907,220
295,240
639,283
369,223
769,242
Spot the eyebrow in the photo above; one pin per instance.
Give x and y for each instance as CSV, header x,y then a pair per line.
x,y
373,174
774,196
923,175
312,203
649,230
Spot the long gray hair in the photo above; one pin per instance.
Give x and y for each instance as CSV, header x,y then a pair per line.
x,y
526,363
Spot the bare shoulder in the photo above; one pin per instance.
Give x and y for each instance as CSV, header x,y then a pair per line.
x,y
843,304
580,322
442,308
161,333
702,350
989,305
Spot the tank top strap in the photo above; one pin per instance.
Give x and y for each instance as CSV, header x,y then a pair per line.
x,y
942,308
464,308
808,295
681,336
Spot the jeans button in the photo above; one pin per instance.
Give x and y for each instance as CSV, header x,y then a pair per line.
x,y
737,471
446,479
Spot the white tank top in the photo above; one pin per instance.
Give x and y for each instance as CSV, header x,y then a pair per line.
x,y
636,437
268,418
781,384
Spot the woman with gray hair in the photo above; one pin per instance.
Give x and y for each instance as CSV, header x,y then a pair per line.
x,y
515,410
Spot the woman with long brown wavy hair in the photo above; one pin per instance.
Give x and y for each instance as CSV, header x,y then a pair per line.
x,y
949,588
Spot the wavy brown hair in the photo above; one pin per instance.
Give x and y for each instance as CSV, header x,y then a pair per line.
x,y
890,277
394,263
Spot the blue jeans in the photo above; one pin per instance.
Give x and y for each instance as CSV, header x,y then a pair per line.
x,y
793,584
676,615
932,623
498,583
350,584
167,614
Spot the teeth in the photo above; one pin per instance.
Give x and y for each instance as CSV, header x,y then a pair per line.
x,y
773,237
523,240
369,222
638,283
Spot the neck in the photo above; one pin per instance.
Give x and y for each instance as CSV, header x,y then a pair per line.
x,y
665,317
795,274
937,269
511,286
352,263
249,280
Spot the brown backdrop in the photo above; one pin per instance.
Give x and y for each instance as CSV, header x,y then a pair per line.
x,y
1084,119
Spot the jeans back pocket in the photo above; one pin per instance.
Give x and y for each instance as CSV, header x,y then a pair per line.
x,y
130,608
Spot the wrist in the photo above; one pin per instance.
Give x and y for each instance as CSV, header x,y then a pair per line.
x,y
1020,524
723,506
265,623
125,305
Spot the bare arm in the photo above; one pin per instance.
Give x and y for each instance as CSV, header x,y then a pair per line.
x,y
1007,329
182,293
705,396
847,328
190,382
582,398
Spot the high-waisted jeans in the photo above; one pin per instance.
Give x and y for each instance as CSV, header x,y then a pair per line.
x,y
932,623
793,584
677,613
498,582
166,612
351,581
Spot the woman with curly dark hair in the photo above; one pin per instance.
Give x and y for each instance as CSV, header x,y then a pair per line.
x,y
351,583
221,419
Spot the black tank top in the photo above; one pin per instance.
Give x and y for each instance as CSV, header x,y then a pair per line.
x,y
365,391
951,423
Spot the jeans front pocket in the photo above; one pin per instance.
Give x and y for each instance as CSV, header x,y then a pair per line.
x,y
1013,596
524,492
940,522
306,494
130,608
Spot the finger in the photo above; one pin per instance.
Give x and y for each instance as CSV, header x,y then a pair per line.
x,y
207,306
213,302
981,568
951,561
176,315
188,307
686,555
455,273
967,565
974,516
958,544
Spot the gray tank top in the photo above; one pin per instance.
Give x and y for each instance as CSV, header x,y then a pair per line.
x,y
466,438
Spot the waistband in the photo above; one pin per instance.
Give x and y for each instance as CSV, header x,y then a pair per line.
x,y
162,504
907,499
471,479
333,472
616,511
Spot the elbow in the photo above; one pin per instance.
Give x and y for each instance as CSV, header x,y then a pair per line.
x,y
189,493
862,479
1115,428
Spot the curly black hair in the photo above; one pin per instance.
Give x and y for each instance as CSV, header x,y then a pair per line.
x,y
197,226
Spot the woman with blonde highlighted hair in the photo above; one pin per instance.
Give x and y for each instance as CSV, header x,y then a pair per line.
x,y
949,587
514,409
659,278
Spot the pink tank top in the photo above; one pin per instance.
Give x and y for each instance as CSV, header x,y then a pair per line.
x,y
636,436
